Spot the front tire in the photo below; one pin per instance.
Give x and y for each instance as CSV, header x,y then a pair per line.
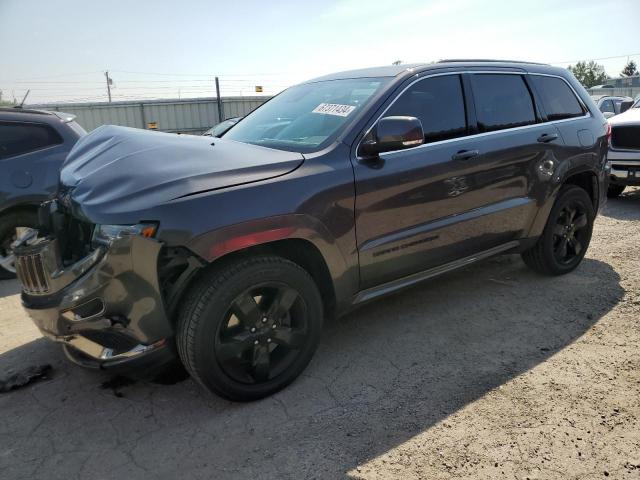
x,y
566,235
248,328
614,191
10,226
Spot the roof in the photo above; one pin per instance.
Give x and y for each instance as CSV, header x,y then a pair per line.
x,y
486,60
23,110
384,71
26,114
408,69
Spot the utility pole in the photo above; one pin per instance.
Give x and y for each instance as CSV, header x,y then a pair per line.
x,y
109,82
220,116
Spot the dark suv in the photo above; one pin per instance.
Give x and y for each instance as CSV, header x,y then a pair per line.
x,y
339,190
33,145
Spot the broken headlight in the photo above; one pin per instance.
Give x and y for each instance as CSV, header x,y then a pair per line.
x,y
105,234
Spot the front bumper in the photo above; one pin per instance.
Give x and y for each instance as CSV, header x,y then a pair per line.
x,y
624,166
106,308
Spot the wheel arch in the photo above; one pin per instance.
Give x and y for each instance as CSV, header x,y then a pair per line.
x,y
299,238
585,178
298,250
31,207
588,181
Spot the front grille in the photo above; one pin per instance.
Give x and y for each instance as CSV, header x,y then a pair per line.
x,y
30,271
73,234
626,138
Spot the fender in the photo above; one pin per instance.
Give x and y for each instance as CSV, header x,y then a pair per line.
x,y
343,269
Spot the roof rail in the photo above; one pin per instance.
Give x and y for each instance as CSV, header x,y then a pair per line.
x,y
482,60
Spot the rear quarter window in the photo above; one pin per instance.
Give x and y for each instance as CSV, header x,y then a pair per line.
x,y
502,101
17,138
558,100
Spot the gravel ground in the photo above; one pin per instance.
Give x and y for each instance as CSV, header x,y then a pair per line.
x,y
488,372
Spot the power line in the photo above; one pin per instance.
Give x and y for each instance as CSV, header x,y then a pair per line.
x,y
601,58
209,75
61,75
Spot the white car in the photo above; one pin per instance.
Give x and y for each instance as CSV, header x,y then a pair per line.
x,y
611,105
624,151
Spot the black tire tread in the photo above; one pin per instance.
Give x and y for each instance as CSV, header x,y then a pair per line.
x,y
535,257
195,301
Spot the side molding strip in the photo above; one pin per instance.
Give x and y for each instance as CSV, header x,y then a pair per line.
x,y
373,292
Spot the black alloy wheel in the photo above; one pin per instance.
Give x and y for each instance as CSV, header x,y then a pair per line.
x,y
262,333
570,233
249,327
566,236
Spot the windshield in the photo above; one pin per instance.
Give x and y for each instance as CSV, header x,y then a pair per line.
x,y
306,117
221,128
637,104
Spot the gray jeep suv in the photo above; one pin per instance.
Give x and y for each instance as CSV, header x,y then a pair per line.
x,y
229,252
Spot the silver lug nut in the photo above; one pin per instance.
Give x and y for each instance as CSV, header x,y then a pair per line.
x,y
268,340
264,319
273,326
253,329
255,342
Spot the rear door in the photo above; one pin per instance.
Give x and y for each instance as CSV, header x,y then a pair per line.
x,y
30,156
519,150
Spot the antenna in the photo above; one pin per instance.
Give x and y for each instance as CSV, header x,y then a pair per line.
x,y
24,98
109,84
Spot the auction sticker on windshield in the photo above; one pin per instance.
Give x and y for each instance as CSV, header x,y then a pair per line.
x,y
334,109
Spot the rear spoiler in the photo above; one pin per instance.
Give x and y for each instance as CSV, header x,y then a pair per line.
x,y
65,117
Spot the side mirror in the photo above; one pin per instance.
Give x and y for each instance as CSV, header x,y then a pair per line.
x,y
625,105
392,133
608,114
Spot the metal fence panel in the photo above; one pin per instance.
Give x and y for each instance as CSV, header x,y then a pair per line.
x,y
184,116
632,92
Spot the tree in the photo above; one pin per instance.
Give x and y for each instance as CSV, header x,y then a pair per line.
x,y
589,74
630,69
5,103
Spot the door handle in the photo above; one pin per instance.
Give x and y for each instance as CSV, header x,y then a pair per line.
x,y
547,137
465,154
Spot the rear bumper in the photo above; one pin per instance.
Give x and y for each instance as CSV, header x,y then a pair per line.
x,y
106,309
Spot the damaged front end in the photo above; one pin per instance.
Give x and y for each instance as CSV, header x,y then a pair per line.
x,y
95,290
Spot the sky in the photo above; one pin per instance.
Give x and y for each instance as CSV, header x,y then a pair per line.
x,y
60,49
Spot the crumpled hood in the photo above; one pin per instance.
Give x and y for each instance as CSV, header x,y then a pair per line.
x,y
630,117
119,169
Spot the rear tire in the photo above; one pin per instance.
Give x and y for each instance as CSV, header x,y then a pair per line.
x,y
566,236
248,328
614,191
9,223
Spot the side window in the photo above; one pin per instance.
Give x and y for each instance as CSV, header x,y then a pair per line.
x,y
18,138
439,104
607,106
617,104
557,98
502,101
